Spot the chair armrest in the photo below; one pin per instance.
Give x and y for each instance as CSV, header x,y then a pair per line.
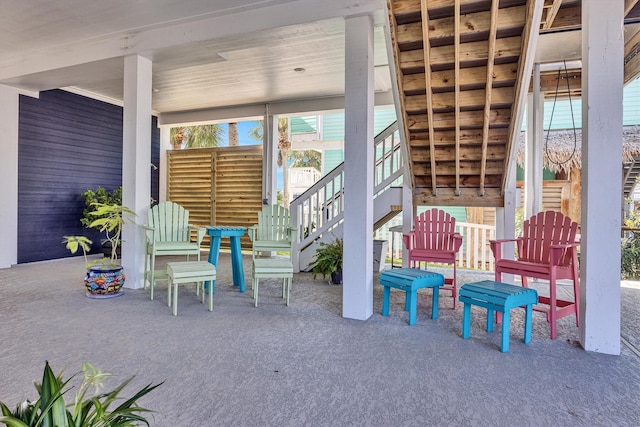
x,y
292,232
199,230
559,250
457,241
150,232
407,240
252,232
496,247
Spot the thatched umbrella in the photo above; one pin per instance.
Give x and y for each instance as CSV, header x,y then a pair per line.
x,y
563,151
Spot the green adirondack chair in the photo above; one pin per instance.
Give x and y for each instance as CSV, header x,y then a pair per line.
x,y
273,233
169,233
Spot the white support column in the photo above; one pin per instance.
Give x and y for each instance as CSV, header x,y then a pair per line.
x,y
269,159
407,215
533,153
136,157
506,219
602,84
9,103
357,292
165,144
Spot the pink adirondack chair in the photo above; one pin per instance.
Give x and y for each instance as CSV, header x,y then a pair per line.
x,y
434,239
547,250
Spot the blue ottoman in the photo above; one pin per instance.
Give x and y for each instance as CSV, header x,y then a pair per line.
x,y
410,280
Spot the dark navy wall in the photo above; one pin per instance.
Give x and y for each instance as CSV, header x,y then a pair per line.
x,y
67,143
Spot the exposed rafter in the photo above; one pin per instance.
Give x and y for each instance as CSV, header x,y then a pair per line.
x,y
427,74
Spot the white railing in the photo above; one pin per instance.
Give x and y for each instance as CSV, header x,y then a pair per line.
x,y
320,209
475,252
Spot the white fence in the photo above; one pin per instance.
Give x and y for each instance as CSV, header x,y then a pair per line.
x,y
475,252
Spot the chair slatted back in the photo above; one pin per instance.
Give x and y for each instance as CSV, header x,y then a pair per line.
x,y
433,230
543,230
170,221
273,223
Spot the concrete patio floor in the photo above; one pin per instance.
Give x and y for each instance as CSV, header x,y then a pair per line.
x,y
305,364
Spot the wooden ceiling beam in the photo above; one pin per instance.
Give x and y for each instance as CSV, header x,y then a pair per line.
x,y
456,16
427,74
500,117
488,91
567,18
628,5
632,58
443,56
475,24
467,197
469,137
470,153
552,9
398,73
503,74
467,168
469,99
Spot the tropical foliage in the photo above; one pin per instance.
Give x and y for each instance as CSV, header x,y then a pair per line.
x,y
630,249
99,195
328,258
109,219
196,136
50,409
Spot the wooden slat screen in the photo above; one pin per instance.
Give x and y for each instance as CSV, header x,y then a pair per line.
x,y
219,186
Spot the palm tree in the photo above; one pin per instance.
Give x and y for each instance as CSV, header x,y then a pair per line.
x,y
196,136
306,159
234,140
284,148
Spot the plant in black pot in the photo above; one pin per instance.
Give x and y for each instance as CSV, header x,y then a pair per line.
x,y
328,261
91,199
105,277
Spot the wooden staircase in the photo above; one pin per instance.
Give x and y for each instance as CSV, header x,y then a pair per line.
x,y
460,114
631,172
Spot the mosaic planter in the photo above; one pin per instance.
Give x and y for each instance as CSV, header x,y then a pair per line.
x,y
104,281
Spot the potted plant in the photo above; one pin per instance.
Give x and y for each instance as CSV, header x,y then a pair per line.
x,y
93,197
105,277
50,408
328,261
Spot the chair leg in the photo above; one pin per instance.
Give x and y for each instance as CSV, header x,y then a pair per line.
x,y
552,306
255,292
146,271
454,284
289,281
152,273
175,299
169,285
576,297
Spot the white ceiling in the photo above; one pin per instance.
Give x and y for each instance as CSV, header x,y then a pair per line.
x,y
206,54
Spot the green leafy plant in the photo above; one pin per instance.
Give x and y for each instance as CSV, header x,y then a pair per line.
x,y
50,410
99,195
328,258
109,219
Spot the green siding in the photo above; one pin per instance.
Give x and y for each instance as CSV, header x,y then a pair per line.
x,y
546,174
333,124
302,124
332,158
458,212
562,111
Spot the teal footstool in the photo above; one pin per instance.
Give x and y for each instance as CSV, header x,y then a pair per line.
x,y
497,296
410,280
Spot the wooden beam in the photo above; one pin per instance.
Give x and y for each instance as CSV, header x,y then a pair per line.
x,y
466,168
632,58
475,78
396,54
525,66
469,99
468,119
474,24
457,90
427,74
567,18
469,182
628,5
470,53
469,153
552,11
468,137
488,91
467,197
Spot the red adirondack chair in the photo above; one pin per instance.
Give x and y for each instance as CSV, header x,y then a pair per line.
x,y
434,239
547,250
